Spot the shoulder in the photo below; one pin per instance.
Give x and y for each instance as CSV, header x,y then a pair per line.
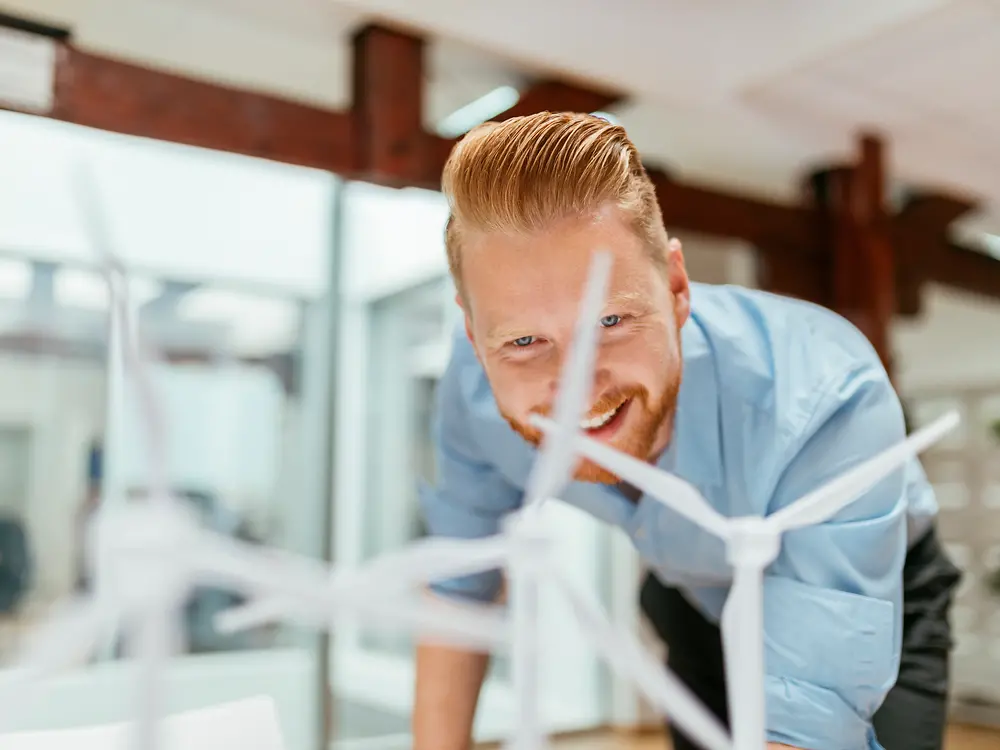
x,y
786,354
785,369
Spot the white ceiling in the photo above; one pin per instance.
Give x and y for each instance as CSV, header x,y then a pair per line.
x,y
740,94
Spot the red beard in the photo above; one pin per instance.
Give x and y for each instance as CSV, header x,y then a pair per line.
x,y
636,436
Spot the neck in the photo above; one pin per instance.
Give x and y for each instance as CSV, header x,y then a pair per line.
x,y
663,438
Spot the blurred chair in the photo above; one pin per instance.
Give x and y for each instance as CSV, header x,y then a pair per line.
x,y
15,565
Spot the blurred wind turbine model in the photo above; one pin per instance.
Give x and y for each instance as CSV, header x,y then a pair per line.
x,y
147,556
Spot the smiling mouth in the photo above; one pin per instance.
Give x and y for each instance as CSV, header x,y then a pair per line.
x,y
592,424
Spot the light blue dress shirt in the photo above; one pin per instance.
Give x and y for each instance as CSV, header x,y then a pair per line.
x,y
778,396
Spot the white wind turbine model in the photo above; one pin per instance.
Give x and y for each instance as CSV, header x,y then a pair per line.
x,y
525,550
752,544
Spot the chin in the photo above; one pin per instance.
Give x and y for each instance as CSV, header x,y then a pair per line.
x,y
591,473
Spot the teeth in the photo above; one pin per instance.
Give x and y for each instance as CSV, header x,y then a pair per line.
x,y
600,420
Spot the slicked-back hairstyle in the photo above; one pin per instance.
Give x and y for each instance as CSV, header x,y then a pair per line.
x,y
524,174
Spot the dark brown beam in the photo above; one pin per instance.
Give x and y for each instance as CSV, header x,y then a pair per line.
x,y
438,151
789,272
855,235
964,269
99,92
388,106
931,212
918,231
759,222
872,297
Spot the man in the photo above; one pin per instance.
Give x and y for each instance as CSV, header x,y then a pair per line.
x,y
752,398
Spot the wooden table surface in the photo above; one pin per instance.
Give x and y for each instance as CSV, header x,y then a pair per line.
x,y
960,737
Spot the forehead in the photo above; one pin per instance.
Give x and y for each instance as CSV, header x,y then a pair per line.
x,y
515,282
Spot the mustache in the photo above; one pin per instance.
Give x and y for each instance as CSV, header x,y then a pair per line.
x,y
610,399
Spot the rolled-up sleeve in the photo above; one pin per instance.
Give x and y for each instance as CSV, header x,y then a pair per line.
x,y
470,498
833,598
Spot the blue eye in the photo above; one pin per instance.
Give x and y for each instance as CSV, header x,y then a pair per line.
x,y
610,321
524,341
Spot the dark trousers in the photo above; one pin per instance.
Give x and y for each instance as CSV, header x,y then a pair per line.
x,y
914,713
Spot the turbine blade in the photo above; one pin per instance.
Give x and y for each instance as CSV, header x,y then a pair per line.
x,y
281,585
156,637
822,504
525,653
136,355
256,572
556,459
623,652
672,491
436,558
743,648
475,627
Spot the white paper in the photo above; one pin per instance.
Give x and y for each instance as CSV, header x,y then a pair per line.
x,y
250,724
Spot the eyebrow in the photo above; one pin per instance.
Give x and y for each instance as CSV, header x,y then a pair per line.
x,y
623,298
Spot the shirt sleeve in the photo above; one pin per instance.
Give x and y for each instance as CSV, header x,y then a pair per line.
x,y
471,497
833,598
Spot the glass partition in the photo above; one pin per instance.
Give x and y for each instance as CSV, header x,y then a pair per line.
x,y
52,396
228,261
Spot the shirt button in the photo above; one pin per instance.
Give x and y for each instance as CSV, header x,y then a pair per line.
x,y
640,534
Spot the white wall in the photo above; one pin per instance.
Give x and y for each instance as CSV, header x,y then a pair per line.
x,y
393,239
170,210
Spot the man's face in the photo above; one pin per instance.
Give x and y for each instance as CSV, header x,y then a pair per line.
x,y
522,298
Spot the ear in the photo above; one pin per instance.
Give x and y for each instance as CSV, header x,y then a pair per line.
x,y
468,330
465,317
677,278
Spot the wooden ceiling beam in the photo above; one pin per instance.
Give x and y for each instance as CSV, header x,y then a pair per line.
x,y
759,222
933,212
964,269
388,96
867,291
100,92
918,232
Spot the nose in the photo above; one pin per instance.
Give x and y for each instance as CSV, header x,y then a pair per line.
x,y
598,380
